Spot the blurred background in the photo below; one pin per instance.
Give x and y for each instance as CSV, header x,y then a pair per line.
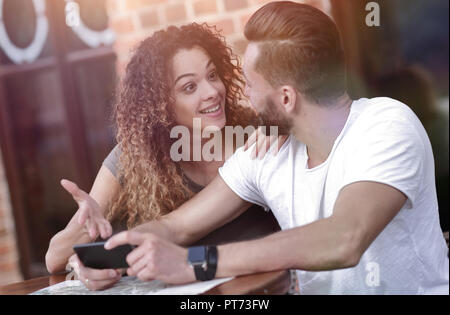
x,y
60,61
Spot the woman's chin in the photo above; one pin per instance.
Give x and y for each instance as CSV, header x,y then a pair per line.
x,y
213,127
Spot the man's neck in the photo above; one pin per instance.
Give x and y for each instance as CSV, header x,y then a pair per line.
x,y
319,126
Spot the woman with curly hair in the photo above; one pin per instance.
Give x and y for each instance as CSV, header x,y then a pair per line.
x,y
174,76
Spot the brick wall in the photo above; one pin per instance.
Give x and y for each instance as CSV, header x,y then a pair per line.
x,y
9,268
133,20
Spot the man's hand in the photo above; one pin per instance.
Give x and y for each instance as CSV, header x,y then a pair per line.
x,y
263,144
154,258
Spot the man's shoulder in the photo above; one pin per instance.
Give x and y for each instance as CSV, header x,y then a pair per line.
x,y
383,108
269,156
383,115
269,163
384,124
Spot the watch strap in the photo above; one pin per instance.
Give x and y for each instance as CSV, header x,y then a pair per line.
x,y
200,274
208,273
212,258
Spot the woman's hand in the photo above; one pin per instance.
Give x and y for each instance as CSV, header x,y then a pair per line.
x,y
89,212
263,143
94,279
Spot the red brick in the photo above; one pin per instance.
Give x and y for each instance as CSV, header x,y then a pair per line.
x,y
244,19
315,3
3,231
138,4
121,66
175,13
148,18
8,266
263,2
122,25
232,5
225,26
125,45
2,222
6,248
112,5
239,46
133,4
205,7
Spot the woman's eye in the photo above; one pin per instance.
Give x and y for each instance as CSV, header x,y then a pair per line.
x,y
189,88
213,75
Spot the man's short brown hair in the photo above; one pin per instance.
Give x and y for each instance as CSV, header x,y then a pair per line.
x,y
299,45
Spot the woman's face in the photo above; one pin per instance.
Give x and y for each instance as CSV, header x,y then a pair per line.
x,y
197,89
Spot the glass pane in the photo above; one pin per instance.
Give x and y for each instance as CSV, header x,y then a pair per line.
x,y
94,17
19,18
43,149
93,14
95,81
425,43
24,32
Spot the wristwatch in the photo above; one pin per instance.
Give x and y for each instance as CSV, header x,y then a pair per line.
x,y
204,261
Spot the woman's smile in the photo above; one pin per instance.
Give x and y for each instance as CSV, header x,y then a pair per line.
x,y
214,110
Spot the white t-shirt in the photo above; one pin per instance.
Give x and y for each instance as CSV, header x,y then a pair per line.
x,y
382,141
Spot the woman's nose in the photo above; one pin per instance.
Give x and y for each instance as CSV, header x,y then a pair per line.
x,y
210,91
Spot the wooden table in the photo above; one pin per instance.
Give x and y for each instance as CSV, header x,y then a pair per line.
x,y
276,282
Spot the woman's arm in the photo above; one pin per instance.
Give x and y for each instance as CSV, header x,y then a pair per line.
x,y
105,187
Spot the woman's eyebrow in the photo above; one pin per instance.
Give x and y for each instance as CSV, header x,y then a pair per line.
x,y
182,76
192,74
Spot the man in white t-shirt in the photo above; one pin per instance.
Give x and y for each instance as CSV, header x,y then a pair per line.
x,y
352,187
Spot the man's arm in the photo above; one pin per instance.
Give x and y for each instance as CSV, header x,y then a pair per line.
x,y
362,210
211,208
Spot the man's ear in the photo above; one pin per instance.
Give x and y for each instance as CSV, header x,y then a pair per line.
x,y
289,98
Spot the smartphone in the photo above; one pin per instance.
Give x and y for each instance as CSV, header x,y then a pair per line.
x,y
94,255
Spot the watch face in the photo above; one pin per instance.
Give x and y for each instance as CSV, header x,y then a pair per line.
x,y
197,254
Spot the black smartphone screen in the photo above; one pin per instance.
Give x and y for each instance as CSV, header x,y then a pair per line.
x,y
94,255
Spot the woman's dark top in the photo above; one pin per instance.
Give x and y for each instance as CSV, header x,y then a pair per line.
x,y
255,222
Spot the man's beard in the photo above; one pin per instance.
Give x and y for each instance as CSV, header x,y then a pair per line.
x,y
271,116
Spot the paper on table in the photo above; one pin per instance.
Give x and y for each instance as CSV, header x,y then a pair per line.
x,y
132,286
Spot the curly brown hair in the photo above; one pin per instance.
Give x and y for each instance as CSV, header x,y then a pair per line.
x,y
151,183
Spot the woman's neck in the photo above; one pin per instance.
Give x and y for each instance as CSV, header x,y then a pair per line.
x,y
203,170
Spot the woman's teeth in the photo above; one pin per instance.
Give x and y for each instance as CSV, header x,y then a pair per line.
x,y
211,110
